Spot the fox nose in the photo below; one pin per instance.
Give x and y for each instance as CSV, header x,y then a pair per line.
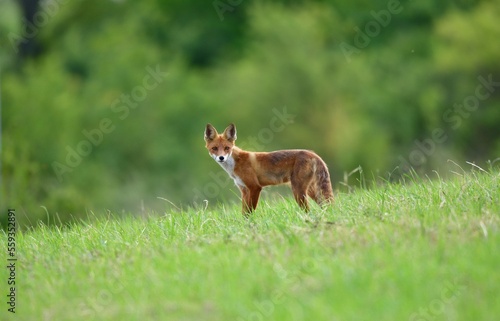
x,y
221,158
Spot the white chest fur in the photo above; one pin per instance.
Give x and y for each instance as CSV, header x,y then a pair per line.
x,y
228,166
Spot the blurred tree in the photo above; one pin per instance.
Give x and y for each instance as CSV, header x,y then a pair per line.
x,y
29,46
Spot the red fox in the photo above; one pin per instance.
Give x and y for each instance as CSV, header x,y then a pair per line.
x,y
251,171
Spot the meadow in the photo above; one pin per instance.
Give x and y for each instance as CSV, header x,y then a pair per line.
x,y
424,249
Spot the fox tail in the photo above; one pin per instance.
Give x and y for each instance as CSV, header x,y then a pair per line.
x,y
321,191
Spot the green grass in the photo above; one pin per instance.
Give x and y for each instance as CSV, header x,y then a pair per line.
x,y
426,250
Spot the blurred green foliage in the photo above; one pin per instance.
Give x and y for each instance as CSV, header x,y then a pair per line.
x,y
375,105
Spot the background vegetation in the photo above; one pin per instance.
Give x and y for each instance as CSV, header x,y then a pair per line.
x,y
384,91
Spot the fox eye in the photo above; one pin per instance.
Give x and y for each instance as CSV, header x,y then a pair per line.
x,y
226,148
214,149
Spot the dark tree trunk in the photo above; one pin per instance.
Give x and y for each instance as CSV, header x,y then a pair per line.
x,y
29,46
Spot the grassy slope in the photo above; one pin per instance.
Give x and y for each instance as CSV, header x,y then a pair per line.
x,y
423,251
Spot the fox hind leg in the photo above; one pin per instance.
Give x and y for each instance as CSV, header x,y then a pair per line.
x,y
313,193
301,198
301,183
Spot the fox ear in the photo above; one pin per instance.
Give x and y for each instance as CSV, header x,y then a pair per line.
x,y
230,133
210,132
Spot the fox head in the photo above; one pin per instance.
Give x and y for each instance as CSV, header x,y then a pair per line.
x,y
220,146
